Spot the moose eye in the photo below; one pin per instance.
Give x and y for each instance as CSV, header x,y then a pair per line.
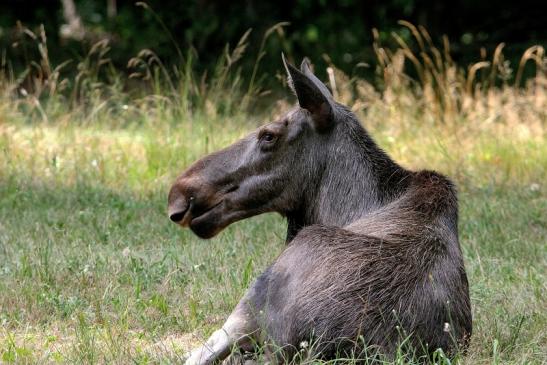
x,y
268,137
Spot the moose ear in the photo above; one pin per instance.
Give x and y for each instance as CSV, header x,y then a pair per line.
x,y
312,94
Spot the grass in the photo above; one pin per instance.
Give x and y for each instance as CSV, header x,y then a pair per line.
x,y
92,271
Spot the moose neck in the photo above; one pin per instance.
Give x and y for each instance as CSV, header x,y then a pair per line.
x,y
357,178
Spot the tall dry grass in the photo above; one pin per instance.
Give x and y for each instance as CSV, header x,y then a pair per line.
x,y
483,113
439,91
444,92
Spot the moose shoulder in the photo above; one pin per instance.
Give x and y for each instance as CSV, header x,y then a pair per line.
x,y
373,258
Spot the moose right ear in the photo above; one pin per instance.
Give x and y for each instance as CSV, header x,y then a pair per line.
x,y
312,94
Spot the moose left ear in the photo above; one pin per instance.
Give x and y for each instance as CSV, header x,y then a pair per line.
x,y
312,94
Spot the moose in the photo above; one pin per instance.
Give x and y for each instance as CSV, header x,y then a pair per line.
x,y
372,257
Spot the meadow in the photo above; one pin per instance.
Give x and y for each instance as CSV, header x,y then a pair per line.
x,y
93,272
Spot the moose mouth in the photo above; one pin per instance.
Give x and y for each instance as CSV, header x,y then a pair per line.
x,y
208,213
184,218
205,223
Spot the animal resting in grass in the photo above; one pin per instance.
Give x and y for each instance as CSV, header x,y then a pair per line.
x,y
372,258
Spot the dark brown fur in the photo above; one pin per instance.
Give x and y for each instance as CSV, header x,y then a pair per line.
x,y
373,251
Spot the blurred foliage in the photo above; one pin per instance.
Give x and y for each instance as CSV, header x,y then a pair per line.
x,y
341,29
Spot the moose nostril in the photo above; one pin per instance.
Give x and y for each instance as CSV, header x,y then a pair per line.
x,y
177,217
179,208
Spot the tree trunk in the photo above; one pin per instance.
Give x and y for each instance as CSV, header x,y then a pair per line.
x,y
73,28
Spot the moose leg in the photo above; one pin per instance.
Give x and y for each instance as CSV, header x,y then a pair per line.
x,y
239,330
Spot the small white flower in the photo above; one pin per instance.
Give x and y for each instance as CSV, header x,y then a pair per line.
x,y
304,344
23,92
94,163
126,252
125,107
534,187
446,327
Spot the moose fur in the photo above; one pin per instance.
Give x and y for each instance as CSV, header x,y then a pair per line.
x,y
372,258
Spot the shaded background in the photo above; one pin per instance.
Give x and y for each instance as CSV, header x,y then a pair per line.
x,y
341,29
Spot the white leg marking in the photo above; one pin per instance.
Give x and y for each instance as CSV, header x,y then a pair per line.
x,y
236,331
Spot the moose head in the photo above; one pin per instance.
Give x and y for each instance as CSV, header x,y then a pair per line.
x,y
293,166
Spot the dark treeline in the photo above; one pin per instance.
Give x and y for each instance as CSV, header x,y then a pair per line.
x,y
342,29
